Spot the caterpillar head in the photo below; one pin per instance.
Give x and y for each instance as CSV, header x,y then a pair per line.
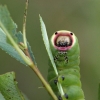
x,y
63,40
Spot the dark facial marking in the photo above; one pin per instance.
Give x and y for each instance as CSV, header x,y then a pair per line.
x,y
62,44
66,60
63,41
56,58
56,33
71,33
65,52
61,52
66,57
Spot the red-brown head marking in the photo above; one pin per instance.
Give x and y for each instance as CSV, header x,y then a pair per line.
x,y
63,40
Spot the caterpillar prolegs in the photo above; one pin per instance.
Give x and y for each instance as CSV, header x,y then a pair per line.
x,y
65,50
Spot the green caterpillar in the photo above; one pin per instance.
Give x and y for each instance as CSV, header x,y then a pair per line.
x,y
65,49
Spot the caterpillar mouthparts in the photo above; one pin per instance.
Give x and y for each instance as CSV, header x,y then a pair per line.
x,y
63,40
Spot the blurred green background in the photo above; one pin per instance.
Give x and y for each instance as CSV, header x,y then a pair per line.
x,y
79,16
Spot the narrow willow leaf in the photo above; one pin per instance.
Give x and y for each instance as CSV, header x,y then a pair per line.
x,y
20,39
8,28
2,97
46,42
8,31
6,22
31,53
8,87
9,48
47,45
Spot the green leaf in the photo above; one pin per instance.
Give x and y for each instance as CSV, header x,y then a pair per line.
x,y
31,54
6,22
47,44
2,97
8,87
8,30
9,48
20,39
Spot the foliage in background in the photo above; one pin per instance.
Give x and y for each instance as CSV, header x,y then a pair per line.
x,y
19,49
9,89
81,17
9,42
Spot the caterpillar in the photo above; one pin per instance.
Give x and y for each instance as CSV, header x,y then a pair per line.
x,y
66,52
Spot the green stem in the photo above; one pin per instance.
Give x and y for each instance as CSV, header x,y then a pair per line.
x,y
29,62
46,85
24,25
25,58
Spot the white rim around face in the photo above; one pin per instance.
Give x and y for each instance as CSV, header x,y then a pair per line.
x,y
63,40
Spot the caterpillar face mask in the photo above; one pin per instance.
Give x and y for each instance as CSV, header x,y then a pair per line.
x,y
65,49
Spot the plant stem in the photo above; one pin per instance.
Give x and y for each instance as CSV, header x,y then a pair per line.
x,y
46,85
24,24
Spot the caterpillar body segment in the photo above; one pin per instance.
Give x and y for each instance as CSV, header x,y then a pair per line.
x,y
65,49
